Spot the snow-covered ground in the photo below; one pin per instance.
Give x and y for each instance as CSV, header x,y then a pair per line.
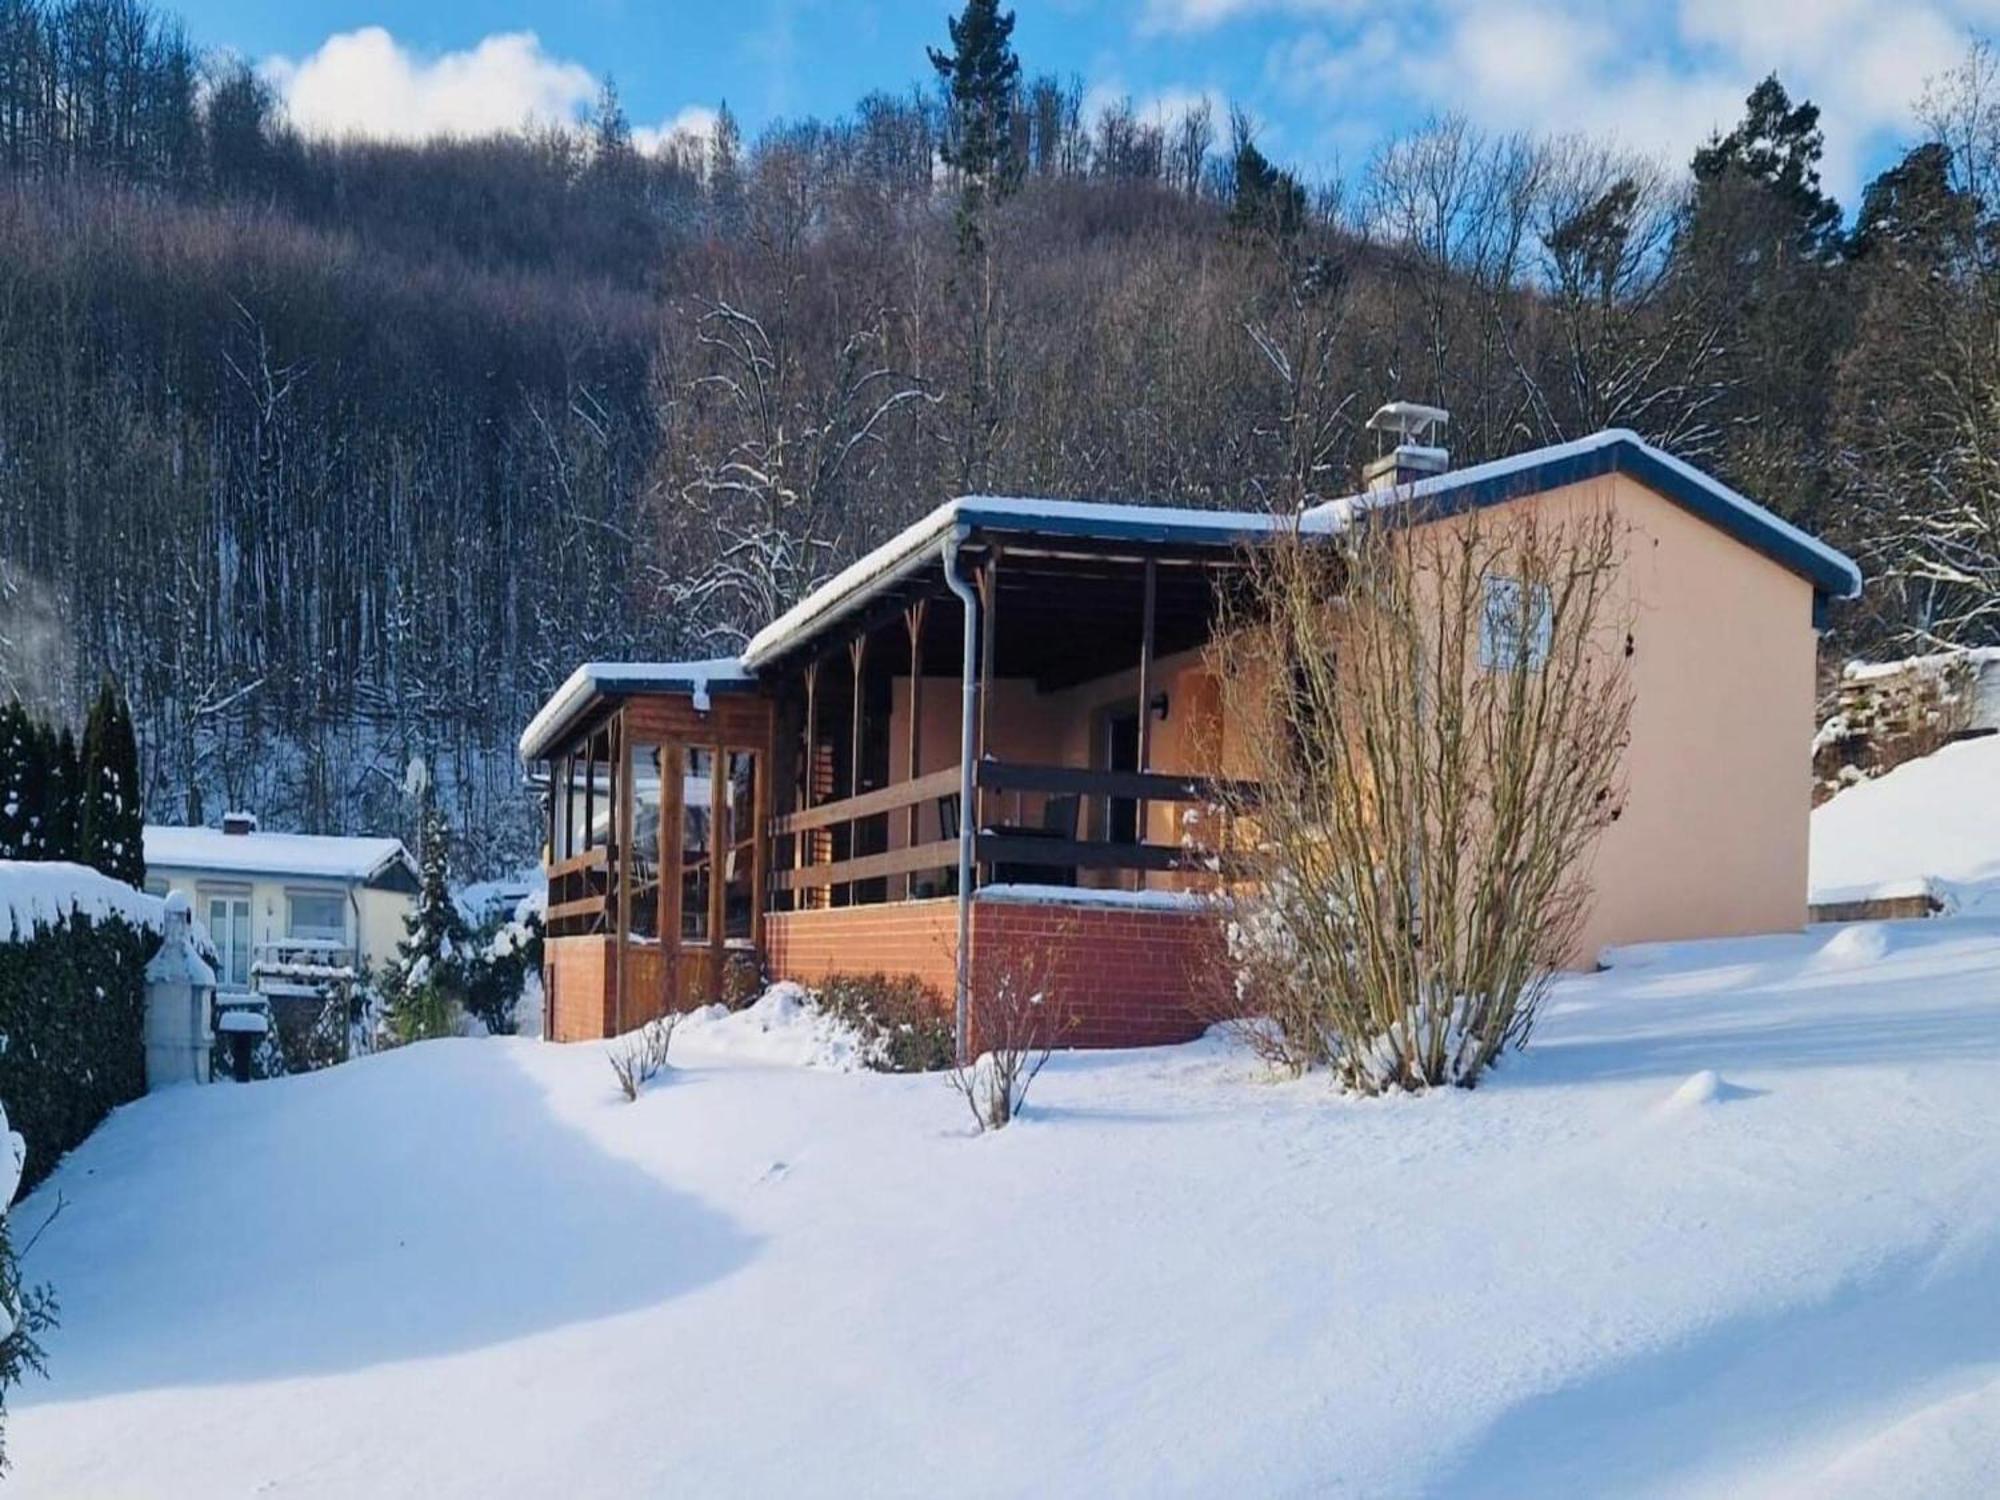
x,y
1732,1227
1931,823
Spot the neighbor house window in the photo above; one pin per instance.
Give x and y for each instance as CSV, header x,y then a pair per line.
x,y
1514,625
229,930
316,916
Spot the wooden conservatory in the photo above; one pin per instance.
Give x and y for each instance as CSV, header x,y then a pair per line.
x,y
803,811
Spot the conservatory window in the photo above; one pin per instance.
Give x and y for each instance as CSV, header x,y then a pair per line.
x,y
697,854
643,915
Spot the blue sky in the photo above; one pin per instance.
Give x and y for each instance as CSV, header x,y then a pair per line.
x,y
1326,79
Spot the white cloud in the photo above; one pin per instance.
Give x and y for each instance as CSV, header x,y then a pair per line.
x,y
696,121
1657,78
367,83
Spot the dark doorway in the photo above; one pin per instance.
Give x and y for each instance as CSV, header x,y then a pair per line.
x,y
1121,753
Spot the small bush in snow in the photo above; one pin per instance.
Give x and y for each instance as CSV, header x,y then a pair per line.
x,y
25,1312
500,960
1014,1022
638,1057
744,979
1436,754
905,1025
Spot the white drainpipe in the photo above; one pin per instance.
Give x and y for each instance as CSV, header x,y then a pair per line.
x,y
968,731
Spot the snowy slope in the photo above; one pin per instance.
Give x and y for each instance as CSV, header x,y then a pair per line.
x,y
1935,819
1732,1228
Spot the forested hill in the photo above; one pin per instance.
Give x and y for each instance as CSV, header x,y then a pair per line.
x,y
343,454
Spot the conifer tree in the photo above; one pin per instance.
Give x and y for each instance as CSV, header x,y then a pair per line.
x,y
980,75
428,988
45,776
20,797
111,826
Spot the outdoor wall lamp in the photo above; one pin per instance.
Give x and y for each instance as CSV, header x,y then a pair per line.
x,y
1158,704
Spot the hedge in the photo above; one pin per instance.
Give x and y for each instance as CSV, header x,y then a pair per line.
x,y
72,1030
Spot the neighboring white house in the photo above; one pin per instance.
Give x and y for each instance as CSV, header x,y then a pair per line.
x,y
258,893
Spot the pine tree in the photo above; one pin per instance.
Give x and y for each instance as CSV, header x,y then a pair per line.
x,y
41,795
980,75
111,826
20,794
427,990
1262,196
1777,146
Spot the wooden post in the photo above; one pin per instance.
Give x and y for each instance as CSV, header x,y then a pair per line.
x,y
989,609
1145,704
760,861
673,794
857,656
802,842
619,867
718,794
913,623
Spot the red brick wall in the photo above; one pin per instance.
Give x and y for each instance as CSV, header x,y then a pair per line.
x,y
1129,976
897,937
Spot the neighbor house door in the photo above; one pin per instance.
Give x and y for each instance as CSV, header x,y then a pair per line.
x,y
229,930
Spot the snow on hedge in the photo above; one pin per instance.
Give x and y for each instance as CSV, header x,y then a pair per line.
x,y
782,1027
44,893
1931,824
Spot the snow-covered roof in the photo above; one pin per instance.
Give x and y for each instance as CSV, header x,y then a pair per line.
x,y
1483,484
1617,450
305,855
915,547
595,678
42,893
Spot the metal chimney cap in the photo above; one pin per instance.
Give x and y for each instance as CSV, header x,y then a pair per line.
x,y
1408,419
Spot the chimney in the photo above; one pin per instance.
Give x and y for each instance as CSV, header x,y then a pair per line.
x,y
1414,431
239,822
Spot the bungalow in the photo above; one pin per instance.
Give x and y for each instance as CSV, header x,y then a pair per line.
x,y
285,898
989,729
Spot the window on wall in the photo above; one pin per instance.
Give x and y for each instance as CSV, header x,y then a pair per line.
x,y
229,930
643,913
316,916
575,778
697,850
738,842
1515,625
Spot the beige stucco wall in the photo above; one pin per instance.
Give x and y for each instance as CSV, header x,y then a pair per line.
x,y
381,912
1712,839
1718,774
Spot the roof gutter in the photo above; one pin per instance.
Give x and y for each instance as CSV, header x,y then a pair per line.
x,y
968,731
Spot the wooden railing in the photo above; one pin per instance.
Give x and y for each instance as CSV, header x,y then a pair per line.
x,y
997,844
580,894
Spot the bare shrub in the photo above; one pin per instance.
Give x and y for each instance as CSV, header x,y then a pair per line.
x,y
1435,715
638,1057
1016,1021
906,1025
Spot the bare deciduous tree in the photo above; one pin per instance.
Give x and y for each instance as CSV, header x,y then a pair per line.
x,y
1016,1018
1436,715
